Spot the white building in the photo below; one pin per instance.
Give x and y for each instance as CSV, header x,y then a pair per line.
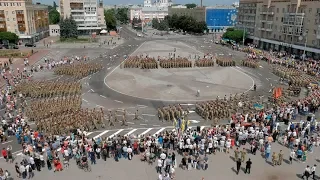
x,y
89,14
146,14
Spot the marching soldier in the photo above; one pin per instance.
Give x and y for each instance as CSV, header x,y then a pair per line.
x,y
243,154
274,159
280,157
136,116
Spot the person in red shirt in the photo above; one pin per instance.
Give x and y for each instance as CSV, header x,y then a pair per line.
x,y
4,154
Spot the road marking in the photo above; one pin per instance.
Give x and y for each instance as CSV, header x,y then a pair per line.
x,y
187,104
192,111
159,131
130,132
84,100
194,121
201,128
89,133
103,96
7,142
267,79
145,132
92,90
109,68
101,134
114,134
148,115
260,74
99,106
143,124
118,101
130,122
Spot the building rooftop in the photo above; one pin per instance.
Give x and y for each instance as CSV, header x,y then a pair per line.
x,y
154,9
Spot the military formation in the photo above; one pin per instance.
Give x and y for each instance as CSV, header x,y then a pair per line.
x,y
140,62
44,108
47,89
285,72
225,61
176,63
204,63
171,113
79,70
277,158
250,63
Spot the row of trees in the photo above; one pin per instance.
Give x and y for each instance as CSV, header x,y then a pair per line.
x,y
184,23
9,36
234,35
112,16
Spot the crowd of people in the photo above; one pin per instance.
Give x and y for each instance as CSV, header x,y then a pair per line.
x,y
225,61
251,63
205,62
140,62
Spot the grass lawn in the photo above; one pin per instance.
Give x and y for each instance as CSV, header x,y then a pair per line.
x,y
15,53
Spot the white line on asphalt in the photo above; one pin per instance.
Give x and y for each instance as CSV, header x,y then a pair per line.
x,y
118,101
84,100
260,74
109,68
142,105
148,115
89,133
145,132
159,131
99,135
99,106
192,111
114,134
130,122
92,90
267,79
202,127
247,76
7,142
130,132
187,104
143,124
103,96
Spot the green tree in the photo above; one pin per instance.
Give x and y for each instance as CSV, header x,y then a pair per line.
x,y
54,16
155,23
234,34
109,16
190,6
68,28
122,15
11,37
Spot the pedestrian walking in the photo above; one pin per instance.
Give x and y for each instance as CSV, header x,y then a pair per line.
x,y
238,165
313,171
248,166
306,173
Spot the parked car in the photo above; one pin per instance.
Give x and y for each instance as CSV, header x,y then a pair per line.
x,y
13,46
30,45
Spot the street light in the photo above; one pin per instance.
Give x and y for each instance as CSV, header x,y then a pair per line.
x,y
244,32
305,36
214,27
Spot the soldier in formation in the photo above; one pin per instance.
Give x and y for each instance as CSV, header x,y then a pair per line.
x,y
285,72
47,89
170,113
250,63
204,63
224,61
140,62
78,71
176,63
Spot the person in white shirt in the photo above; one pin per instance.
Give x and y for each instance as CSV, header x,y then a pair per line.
x,y
228,145
306,173
163,157
313,171
159,167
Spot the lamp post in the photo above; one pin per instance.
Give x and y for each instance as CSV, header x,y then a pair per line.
x,y
244,32
305,36
214,27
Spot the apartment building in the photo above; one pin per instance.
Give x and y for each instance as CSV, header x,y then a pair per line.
x,y
89,14
29,21
283,25
146,14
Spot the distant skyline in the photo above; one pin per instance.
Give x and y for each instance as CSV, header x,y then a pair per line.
x,y
124,2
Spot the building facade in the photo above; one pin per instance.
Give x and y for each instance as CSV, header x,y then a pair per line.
x,y
283,25
89,14
219,18
29,21
54,30
146,14
197,13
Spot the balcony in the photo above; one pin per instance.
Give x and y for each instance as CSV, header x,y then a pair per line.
x,y
295,14
267,21
267,12
77,10
265,29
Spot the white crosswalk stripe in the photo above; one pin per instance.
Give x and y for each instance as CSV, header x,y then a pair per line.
x,y
145,132
159,131
133,130
101,134
116,133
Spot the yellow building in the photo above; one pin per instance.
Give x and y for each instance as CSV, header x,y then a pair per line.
x,y
29,21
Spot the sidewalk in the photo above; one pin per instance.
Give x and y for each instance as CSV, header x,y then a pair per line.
x,y
18,63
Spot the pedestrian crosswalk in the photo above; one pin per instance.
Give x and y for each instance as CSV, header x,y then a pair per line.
x,y
138,132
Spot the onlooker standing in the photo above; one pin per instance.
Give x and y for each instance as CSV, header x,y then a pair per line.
x,y
306,173
313,171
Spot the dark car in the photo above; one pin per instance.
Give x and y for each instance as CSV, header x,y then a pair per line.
x,y
13,46
30,45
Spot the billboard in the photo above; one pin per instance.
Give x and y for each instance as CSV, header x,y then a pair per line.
x,y
220,18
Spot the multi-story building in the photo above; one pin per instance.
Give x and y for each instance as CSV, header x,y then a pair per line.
x,y
285,25
29,21
89,14
146,14
247,15
219,18
197,13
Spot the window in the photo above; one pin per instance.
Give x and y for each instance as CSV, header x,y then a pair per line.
x,y
282,19
310,10
314,31
0,4
277,10
274,36
283,10
13,12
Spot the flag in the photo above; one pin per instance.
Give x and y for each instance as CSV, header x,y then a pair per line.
x,y
187,124
179,123
183,125
175,123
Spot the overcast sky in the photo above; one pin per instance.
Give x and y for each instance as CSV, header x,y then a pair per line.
x,y
109,2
